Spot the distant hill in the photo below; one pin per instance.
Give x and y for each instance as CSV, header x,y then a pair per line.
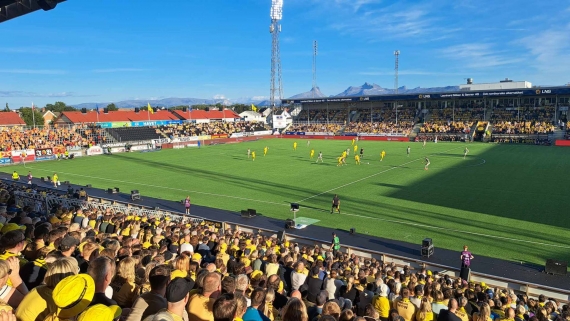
x,y
315,92
366,89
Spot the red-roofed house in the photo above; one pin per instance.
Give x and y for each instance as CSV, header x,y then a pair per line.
x,y
77,117
202,116
11,118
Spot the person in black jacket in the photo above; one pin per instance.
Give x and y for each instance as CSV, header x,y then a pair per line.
x,y
449,314
315,285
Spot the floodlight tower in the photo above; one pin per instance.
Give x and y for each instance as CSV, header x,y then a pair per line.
x,y
315,51
397,56
276,91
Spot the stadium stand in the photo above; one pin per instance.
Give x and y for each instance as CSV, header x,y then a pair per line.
x,y
128,134
65,253
18,137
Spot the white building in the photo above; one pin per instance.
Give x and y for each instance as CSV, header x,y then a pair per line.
x,y
503,84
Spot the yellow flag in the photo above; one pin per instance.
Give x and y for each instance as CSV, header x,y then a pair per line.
x,y
150,110
253,108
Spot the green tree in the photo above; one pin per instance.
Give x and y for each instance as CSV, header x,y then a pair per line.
x,y
59,106
26,114
7,108
112,107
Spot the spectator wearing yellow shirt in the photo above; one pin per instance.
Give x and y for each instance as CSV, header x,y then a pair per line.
x,y
381,302
405,308
425,313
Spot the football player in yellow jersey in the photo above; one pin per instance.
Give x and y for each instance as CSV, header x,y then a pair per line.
x,y
382,155
265,151
295,146
353,141
343,154
339,161
312,153
357,159
253,155
355,148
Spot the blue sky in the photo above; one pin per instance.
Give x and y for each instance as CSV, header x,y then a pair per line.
x,y
109,50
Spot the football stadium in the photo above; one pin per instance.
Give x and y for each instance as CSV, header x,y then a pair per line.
x,y
410,206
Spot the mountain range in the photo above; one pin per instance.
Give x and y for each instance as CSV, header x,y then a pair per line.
x,y
366,89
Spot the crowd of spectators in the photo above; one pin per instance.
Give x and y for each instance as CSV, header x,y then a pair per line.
x,y
403,128
73,264
316,128
453,127
523,127
77,136
211,128
523,121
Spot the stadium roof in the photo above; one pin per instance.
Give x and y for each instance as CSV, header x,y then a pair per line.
x,y
10,9
11,118
77,117
465,94
202,114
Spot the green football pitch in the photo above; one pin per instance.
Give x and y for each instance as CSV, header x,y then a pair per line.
x,y
504,201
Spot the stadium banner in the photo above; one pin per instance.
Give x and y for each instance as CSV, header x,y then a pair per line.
x,y
95,150
217,136
105,125
237,135
190,139
318,134
120,124
118,150
156,123
350,134
139,147
422,97
279,121
295,133
43,154
5,160
381,134
159,142
76,154
17,155
262,133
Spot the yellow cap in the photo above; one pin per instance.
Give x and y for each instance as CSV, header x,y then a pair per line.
x,y
73,295
100,312
146,245
196,257
9,227
255,274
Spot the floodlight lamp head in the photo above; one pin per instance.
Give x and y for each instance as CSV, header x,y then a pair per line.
x,y
397,52
276,9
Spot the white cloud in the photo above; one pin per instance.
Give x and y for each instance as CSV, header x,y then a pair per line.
x,y
219,96
549,49
110,70
395,21
479,55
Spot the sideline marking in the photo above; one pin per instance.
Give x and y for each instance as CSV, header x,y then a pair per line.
x,y
158,186
370,176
